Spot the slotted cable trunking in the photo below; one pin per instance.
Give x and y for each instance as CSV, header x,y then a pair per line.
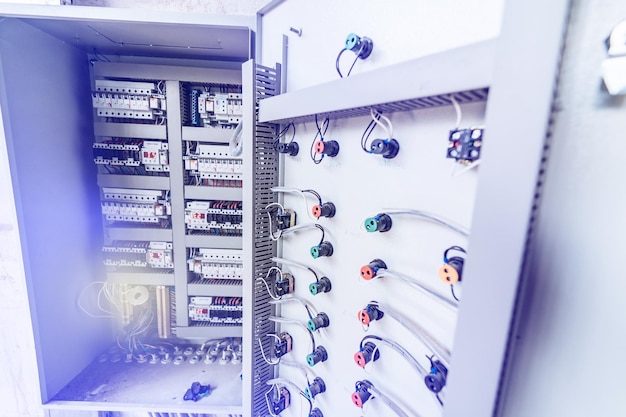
x,y
261,172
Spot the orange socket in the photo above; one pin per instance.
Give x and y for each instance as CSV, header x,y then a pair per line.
x,y
364,318
317,210
367,272
319,147
360,359
448,274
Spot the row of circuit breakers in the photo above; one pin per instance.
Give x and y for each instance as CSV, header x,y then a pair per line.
x,y
206,165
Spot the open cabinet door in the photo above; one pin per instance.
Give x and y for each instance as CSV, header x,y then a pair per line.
x,y
46,79
43,105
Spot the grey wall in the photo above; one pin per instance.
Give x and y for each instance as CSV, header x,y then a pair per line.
x,y
567,358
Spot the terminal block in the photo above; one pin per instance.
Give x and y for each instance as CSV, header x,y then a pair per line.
x,y
218,217
216,263
217,310
464,145
135,206
122,152
128,100
139,254
212,165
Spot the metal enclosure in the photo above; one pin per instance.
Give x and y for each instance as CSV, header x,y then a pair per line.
x,y
496,71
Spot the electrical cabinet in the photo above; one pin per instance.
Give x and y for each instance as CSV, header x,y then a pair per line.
x,y
131,193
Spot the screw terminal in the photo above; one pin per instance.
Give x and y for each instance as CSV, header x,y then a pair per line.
x,y
284,286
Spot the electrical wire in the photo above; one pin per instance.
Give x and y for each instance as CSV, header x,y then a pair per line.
x,y
269,362
297,265
297,323
366,134
392,405
286,382
319,134
303,194
304,227
419,332
462,230
376,117
272,296
422,288
284,132
401,350
281,210
306,371
267,401
352,66
457,109
104,291
453,294
294,298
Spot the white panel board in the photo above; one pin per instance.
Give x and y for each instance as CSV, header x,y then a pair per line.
x,y
362,185
400,29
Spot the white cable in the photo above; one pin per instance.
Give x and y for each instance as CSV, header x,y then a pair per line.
x,y
394,407
267,401
300,227
402,351
303,194
444,300
235,143
269,216
286,382
268,289
388,128
109,314
432,217
306,371
457,109
422,334
263,352
296,264
287,299
283,320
